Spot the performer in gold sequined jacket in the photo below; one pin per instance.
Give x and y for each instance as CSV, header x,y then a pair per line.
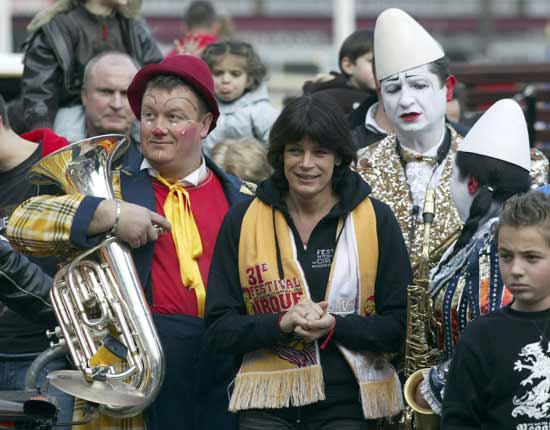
x,y
415,84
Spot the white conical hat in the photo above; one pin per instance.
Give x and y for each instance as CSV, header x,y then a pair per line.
x,y
401,43
501,133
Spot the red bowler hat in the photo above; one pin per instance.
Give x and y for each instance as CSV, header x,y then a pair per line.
x,y
191,69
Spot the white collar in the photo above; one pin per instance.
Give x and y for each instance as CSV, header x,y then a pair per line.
x,y
192,179
430,152
370,121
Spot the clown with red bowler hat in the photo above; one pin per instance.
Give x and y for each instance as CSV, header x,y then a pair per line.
x,y
176,187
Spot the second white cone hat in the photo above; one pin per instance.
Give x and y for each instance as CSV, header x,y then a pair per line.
x,y
500,133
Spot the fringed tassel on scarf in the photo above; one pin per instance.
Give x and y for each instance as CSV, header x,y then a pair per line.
x,y
268,390
381,398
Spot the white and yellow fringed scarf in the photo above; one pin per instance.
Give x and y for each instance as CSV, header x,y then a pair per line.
x,y
289,373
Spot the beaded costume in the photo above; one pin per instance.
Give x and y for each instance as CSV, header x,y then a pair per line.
x,y
468,286
465,287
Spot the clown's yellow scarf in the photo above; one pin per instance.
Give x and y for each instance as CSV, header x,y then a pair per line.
x,y
289,373
187,239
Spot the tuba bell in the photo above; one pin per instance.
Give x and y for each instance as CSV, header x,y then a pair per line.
x,y
104,320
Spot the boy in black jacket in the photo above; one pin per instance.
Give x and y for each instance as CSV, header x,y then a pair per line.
x,y
355,83
500,373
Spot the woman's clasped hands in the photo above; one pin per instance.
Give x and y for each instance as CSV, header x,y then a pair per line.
x,y
307,319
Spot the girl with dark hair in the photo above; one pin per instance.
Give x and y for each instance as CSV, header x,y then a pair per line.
x,y
303,284
245,109
492,164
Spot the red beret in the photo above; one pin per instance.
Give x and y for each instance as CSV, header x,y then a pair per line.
x,y
191,69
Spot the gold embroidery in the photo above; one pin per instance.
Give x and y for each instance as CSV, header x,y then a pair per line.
x,y
380,166
539,168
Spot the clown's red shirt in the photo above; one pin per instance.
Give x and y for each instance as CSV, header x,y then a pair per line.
x,y
209,206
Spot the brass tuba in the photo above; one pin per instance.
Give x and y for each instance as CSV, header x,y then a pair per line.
x,y
423,329
103,317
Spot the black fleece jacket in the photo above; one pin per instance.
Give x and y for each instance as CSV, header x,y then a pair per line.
x,y
347,96
231,330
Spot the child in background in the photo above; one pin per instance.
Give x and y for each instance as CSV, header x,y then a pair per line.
x,y
356,81
202,27
245,158
500,373
245,110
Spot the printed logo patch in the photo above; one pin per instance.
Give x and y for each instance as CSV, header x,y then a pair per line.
x,y
533,402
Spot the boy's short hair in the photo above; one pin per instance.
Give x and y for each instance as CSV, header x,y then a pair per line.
x,y
245,158
356,44
531,209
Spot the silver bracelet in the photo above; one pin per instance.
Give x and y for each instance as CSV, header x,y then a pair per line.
x,y
117,218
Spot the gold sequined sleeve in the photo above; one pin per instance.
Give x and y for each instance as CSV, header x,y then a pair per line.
x,y
539,168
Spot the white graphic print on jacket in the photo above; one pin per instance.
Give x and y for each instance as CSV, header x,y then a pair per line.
x,y
534,402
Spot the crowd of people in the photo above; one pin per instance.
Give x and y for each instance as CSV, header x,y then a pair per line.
x,y
276,248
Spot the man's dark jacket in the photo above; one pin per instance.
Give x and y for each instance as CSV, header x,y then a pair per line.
x,y
56,54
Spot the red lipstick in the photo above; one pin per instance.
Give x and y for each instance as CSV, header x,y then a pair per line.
x,y
410,116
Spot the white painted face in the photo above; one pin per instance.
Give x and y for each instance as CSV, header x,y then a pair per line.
x,y
414,100
460,194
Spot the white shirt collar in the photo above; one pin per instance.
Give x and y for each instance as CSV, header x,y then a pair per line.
x,y
429,153
192,179
432,152
370,121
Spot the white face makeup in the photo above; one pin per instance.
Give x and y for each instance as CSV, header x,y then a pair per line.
x,y
414,100
460,194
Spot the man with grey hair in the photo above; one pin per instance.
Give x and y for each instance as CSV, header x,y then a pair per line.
x,y
105,108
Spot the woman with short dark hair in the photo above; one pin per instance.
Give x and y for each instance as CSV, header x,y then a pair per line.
x,y
308,283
